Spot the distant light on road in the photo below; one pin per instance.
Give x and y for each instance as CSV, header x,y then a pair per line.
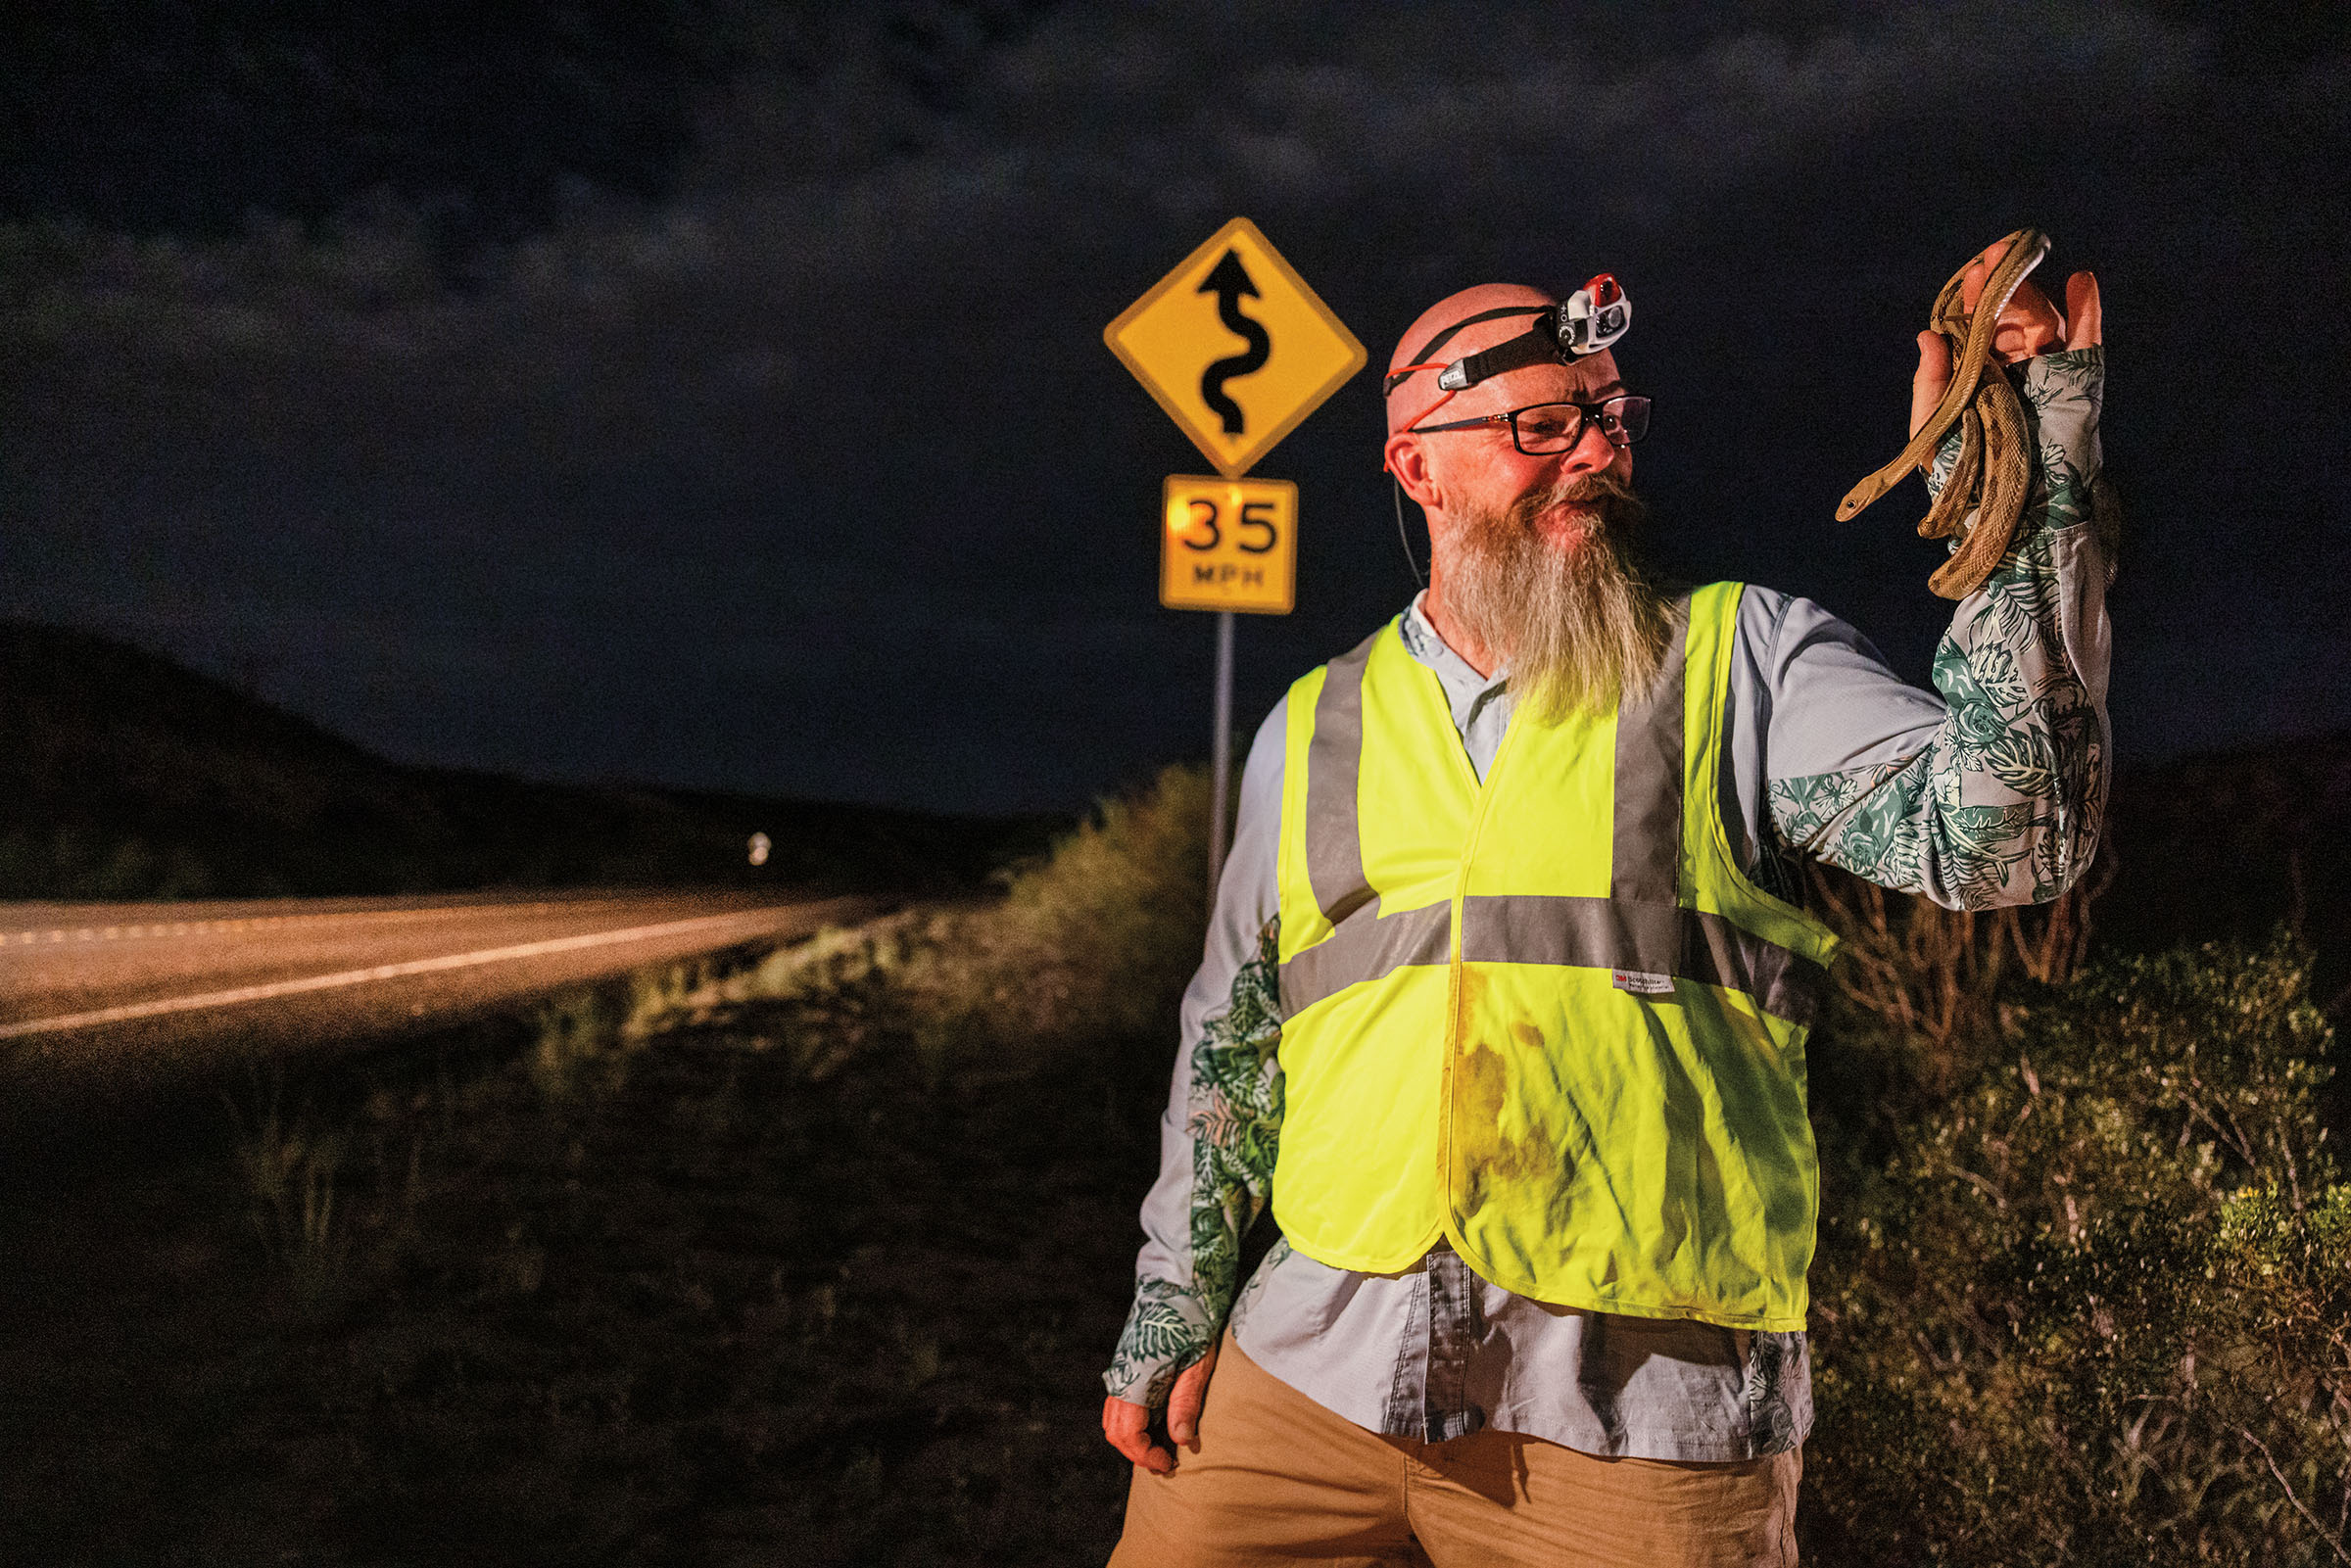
x,y
760,846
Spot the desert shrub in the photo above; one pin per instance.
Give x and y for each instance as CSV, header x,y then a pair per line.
x,y
1100,936
1920,995
2092,1307
572,1035
80,863
1092,940
290,1163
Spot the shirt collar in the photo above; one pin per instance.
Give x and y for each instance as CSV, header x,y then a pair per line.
x,y
1464,689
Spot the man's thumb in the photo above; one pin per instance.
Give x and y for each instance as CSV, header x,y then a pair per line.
x,y
1932,376
1186,1398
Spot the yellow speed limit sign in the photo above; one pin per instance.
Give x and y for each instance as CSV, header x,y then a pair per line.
x,y
1229,545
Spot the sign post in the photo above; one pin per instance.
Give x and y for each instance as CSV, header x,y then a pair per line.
x,y
1219,756
1229,545
1238,350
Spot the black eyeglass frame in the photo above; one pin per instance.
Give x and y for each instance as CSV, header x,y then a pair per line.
x,y
1584,414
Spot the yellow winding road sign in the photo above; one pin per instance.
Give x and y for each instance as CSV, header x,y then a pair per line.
x,y
1235,347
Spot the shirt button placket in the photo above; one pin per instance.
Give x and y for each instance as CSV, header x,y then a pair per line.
x,y
1446,1411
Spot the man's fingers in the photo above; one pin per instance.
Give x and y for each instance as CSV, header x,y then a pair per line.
x,y
2084,329
1128,1427
2028,325
1186,1398
1971,282
1934,374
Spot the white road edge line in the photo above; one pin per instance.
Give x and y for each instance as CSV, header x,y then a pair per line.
x,y
382,971
86,933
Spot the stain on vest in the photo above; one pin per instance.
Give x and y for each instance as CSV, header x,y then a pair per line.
x,y
1483,1152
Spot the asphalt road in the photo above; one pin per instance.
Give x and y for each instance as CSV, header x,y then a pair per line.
x,y
98,996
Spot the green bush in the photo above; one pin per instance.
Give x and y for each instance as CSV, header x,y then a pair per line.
x,y
2093,1307
1091,941
1100,936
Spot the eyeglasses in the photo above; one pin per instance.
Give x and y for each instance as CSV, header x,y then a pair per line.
x,y
1543,429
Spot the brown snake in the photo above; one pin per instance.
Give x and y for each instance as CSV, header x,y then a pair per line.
x,y
1995,470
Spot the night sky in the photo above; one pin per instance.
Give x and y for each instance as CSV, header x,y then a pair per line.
x,y
713,394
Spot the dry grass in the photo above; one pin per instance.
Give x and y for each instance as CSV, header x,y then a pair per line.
x,y
1936,976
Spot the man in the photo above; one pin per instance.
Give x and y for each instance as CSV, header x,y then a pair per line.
x,y
1505,976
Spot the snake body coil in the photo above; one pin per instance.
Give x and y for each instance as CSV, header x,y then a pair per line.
x,y
1995,470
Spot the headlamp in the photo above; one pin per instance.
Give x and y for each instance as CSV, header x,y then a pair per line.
x,y
1586,321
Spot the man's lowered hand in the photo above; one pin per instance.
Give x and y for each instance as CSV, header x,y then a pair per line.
x,y
1127,1425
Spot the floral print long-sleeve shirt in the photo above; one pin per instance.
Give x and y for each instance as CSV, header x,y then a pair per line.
x,y
1987,791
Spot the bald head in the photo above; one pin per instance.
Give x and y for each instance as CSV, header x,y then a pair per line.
x,y
1417,390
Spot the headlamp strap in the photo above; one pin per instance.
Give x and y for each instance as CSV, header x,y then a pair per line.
x,y
1586,321
1535,346
1419,361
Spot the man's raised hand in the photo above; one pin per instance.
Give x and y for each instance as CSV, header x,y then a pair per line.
x,y
1127,1425
2029,326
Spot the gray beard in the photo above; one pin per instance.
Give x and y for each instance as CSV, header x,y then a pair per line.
x,y
1579,628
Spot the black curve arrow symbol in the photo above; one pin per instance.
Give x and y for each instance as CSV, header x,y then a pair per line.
x,y
1228,281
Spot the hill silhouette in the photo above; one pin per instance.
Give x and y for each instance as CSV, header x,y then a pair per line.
x,y
127,776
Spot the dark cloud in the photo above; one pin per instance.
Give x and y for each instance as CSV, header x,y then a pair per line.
x,y
801,466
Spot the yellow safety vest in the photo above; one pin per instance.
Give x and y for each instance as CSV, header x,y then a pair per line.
x,y
1545,1017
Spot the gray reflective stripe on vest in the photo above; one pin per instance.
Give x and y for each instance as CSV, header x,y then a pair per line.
x,y
1640,929
1644,849
1363,947
1334,758
1580,932
1603,934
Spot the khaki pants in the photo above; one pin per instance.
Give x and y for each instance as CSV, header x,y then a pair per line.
x,y
1280,1479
